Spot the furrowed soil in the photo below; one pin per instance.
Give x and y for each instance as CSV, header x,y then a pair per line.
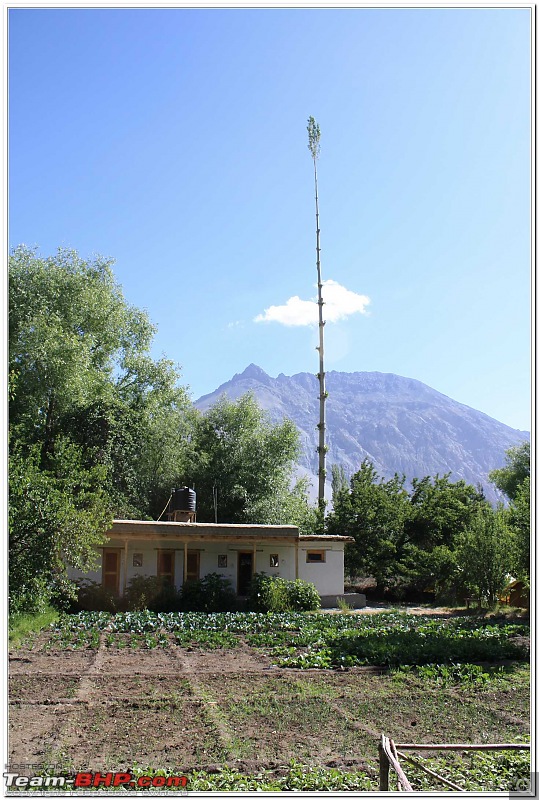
x,y
185,708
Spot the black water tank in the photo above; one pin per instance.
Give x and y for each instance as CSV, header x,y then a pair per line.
x,y
183,499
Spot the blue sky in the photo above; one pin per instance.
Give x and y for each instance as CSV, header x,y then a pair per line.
x,y
174,141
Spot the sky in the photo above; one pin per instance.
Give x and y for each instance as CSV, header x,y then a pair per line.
x,y
174,141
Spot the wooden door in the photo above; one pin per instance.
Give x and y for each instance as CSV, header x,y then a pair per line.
x,y
110,577
245,572
165,566
193,566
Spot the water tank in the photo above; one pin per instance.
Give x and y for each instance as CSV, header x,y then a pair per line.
x,y
183,499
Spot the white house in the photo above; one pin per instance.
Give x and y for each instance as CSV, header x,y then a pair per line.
x,y
180,551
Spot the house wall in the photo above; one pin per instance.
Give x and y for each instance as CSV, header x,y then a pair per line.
x,y
327,576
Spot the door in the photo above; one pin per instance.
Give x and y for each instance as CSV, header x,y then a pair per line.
x,y
193,566
110,571
245,572
165,566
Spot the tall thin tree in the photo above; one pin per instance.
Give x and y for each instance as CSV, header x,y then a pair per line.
x,y
314,146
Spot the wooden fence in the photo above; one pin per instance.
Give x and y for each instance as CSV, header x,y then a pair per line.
x,y
389,754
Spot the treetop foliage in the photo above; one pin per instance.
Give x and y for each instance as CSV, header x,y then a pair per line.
x,y
99,429
439,536
508,479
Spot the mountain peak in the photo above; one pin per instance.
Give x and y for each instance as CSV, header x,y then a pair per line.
x,y
254,372
400,424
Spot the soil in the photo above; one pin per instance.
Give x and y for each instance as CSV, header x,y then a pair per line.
x,y
187,708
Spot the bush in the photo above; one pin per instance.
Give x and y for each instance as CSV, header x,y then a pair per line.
x,y
268,593
211,593
94,597
302,596
141,593
149,592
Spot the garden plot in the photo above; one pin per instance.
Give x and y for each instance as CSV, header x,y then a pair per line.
x,y
163,732
190,692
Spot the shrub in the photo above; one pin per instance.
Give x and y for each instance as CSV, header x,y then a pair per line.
x,y
302,596
211,593
268,593
93,596
141,591
149,592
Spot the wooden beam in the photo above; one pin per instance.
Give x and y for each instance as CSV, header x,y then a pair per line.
x,y
383,768
169,539
388,747
463,746
125,567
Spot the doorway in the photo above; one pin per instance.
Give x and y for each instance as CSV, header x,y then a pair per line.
x,y
193,566
165,567
245,572
110,571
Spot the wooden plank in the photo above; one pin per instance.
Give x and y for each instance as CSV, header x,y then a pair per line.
x,y
388,747
168,536
392,755
383,767
125,568
463,746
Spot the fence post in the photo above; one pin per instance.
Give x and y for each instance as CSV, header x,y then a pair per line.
x,y
383,766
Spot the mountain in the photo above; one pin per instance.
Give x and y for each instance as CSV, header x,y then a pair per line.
x,y
400,424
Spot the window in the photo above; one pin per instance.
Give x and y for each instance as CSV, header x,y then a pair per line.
x,y
274,560
316,556
222,561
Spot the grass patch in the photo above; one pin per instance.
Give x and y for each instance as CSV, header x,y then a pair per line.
x,y
24,627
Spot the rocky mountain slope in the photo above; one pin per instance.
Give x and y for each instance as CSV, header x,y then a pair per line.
x,y
400,424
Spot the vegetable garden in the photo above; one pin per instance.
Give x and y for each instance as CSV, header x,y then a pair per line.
x,y
276,702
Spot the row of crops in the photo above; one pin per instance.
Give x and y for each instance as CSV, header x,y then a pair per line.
x,y
300,640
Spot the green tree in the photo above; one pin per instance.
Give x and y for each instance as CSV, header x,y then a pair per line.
x,y
80,367
508,479
241,463
56,519
439,511
339,481
514,481
519,520
97,427
285,506
484,554
373,511
440,508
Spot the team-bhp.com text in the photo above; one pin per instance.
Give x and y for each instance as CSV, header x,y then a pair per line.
x,y
86,780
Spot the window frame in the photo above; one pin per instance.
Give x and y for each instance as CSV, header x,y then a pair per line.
x,y
310,553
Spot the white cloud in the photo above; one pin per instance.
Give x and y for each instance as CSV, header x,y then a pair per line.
x,y
339,303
